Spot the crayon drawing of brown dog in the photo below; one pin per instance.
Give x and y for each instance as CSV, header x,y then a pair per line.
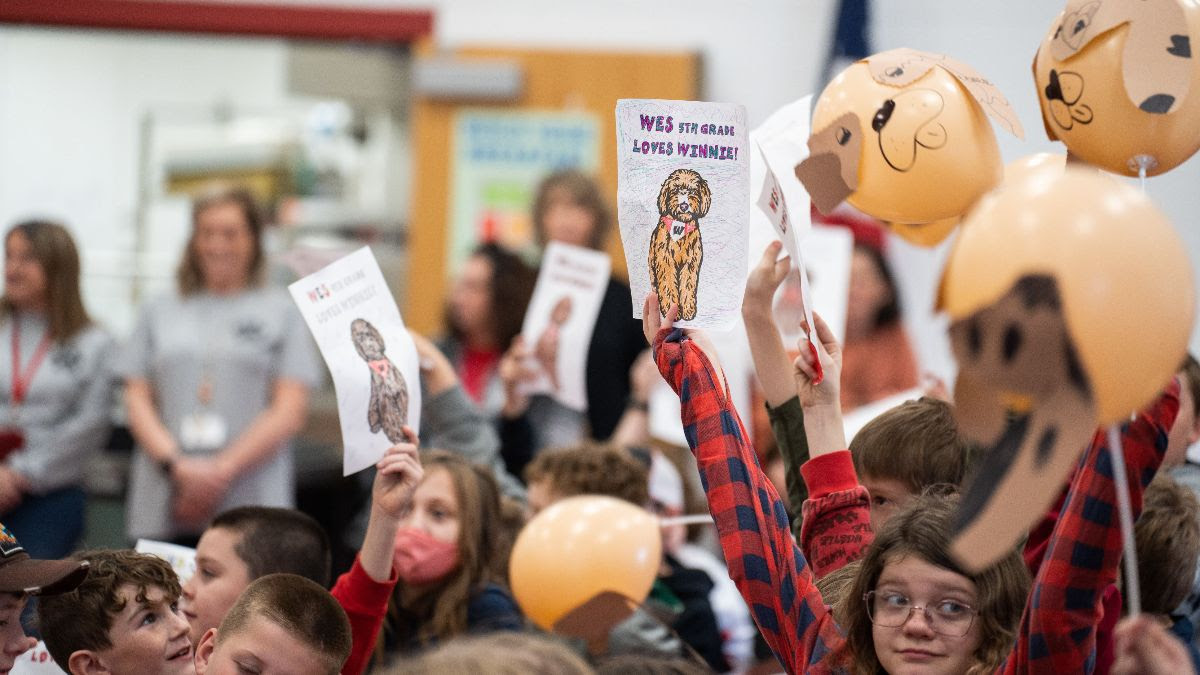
x,y
387,410
675,248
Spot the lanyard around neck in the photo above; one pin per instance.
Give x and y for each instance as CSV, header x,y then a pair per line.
x,y
21,381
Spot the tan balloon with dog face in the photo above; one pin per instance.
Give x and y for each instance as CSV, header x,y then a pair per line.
x,y
1071,300
904,136
1116,79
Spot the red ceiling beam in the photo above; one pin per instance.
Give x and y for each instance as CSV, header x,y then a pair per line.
x,y
276,20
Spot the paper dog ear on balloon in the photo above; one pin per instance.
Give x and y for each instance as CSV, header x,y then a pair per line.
x,y
1054,287
830,173
902,67
903,136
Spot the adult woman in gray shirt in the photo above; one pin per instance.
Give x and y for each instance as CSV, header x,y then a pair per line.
x,y
55,391
216,381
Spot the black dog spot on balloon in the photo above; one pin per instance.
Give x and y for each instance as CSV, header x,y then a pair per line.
x,y
1158,104
1038,290
1012,342
974,337
1045,446
1181,46
843,136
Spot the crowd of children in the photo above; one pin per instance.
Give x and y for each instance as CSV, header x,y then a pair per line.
x,y
848,571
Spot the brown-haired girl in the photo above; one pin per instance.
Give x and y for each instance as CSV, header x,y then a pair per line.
x,y
920,612
445,554
56,393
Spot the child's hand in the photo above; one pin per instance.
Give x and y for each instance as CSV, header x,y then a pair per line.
x,y
652,322
398,474
762,283
829,390
643,375
1144,647
436,369
515,371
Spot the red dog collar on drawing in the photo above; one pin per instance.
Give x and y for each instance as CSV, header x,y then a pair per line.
x,y
381,367
670,222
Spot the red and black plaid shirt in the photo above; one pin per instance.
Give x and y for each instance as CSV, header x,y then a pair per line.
x,y
1057,633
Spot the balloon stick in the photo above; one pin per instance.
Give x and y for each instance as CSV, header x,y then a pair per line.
x,y
693,519
1133,591
1142,163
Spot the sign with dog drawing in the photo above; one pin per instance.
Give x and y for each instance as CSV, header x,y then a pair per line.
x,y
560,319
683,197
374,363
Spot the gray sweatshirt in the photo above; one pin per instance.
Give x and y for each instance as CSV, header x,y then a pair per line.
x,y
67,410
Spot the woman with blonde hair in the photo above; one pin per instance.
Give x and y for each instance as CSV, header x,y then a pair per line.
x,y
55,409
217,376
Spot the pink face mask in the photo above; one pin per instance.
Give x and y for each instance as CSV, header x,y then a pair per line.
x,y
420,559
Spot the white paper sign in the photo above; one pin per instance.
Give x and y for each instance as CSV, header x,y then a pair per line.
x,y
783,140
36,661
773,204
683,188
182,558
827,255
561,317
374,363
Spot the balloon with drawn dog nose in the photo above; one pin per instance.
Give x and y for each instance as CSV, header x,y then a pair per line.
x,y
904,136
1117,81
1071,300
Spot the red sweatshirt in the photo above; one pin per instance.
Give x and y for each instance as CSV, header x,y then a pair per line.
x,y
837,516
365,601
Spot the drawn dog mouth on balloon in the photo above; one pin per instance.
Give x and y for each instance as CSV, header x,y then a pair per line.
x,y
1063,95
906,122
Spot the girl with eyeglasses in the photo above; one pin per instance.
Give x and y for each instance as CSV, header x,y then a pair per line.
x,y
910,609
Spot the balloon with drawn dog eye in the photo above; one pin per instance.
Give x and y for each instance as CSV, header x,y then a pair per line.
x,y
1117,79
904,136
1071,301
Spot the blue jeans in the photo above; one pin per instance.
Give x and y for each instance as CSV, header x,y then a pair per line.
x,y
48,526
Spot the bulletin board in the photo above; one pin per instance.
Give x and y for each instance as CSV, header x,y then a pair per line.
x,y
581,81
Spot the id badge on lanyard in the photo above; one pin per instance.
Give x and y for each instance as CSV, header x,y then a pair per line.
x,y
203,430
12,434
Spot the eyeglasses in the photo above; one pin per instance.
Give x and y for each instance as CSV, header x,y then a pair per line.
x,y
892,610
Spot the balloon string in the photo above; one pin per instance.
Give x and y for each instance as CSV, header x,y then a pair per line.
x,y
1142,175
693,519
1133,591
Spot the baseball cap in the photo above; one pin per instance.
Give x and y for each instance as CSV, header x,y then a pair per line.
x,y
21,574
